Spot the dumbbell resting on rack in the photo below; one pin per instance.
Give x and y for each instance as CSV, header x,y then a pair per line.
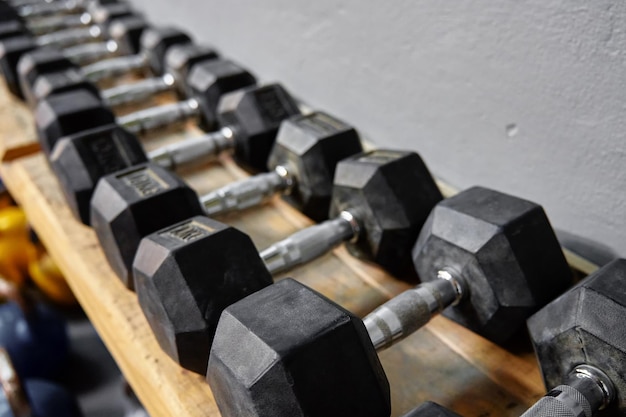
x,y
302,332
216,265
177,57
14,47
64,114
580,341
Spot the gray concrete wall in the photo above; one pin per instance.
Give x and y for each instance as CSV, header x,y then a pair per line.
x,y
526,96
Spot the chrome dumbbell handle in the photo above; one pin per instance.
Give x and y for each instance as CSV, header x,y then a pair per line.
x,y
138,91
90,52
310,243
412,309
587,390
194,151
114,67
247,193
156,117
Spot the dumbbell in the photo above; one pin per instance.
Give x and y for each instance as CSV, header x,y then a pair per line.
x,y
14,47
38,84
45,17
380,226
22,396
301,164
580,342
298,353
148,197
125,35
71,112
310,146
212,265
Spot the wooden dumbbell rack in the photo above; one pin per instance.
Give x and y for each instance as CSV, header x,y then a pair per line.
x,y
443,362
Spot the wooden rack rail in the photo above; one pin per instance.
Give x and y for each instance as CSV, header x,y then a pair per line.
x,y
443,362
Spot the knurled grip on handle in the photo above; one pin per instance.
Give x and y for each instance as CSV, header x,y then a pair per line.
x,y
42,9
114,67
70,37
562,401
193,151
90,52
53,23
243,194
307,244
138,91
161,116
408,312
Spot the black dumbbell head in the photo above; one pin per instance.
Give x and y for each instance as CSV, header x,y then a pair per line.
x,y
209,81
126,32
310,147
289,351
256,114
57,83
155,42
506,253
391,194
104,14
11,50
11,28
586,326
430,409
8,13
130,204
68,113
180,60
37,63
80,160
186,275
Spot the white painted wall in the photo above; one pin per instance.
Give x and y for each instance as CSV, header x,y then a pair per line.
x,y
526,96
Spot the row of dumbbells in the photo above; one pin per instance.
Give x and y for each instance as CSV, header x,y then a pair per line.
x,y
487,260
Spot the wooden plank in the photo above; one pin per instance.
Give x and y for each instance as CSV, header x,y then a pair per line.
x,y
17,131
443,362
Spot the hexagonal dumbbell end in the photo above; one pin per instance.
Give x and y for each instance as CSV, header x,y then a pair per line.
x,y
302,166
309,148
500,252
67,113
126,32
37,63
289,351
80,160
430,409
129,205
209,81
155,42
11,28
181,59
380,201
254,115
11,50
580,341
186,275
57,83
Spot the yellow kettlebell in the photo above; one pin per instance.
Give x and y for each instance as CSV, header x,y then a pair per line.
x,y
16,249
